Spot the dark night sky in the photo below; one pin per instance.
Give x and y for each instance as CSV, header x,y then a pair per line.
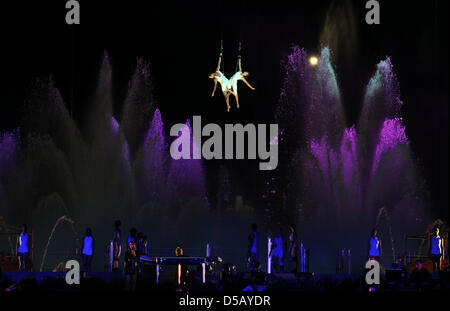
x,y
183,38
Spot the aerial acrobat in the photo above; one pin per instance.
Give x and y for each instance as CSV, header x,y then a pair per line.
x,y
229,86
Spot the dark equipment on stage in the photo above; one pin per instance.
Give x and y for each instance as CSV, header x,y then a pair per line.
x,y
394,276
181,262
177,260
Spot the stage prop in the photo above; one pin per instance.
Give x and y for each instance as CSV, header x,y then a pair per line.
x,y
179,261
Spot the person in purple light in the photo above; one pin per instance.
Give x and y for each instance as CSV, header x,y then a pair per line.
x,y
23,249
253,241
293,246
88,250
117,247
375,246
277,251
131,266
436,245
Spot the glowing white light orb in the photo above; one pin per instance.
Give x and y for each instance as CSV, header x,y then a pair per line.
x,y
313,60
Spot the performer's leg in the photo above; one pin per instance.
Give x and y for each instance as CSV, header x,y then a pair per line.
x,y
295,259
215,86
248,84
84,259
89,262
227,101
19,258
237,100
253,260
274,263
25,259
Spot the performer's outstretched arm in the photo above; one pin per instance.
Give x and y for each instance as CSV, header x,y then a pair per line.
x,y
239,63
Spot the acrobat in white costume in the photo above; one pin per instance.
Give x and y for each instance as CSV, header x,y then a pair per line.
x,y
229,86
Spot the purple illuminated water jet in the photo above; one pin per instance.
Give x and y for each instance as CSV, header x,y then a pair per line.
x,y
345,175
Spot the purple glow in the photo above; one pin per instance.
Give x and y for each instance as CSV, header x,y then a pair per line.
x,y
115,125
9,146
187,175
118,135
325,157
392,135
337,164
349,156
154,151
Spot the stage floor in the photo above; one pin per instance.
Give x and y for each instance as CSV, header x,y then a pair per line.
x,y
105,281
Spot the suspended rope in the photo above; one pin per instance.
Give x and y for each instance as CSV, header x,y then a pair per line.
x,y
238,64
221,55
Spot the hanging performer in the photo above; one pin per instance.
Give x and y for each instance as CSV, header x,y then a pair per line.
x,y
239,75
229,86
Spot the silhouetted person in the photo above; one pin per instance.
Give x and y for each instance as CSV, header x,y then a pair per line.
x,y
436,248
420,276
375,250
130,266
140,248
23,249
88,250
277,251
293,246
139,243
253,240
117,245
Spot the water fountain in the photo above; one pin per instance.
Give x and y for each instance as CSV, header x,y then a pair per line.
x,y
346,174
51,169
334,178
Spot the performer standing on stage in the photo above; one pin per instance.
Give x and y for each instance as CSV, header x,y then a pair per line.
x,y
130,266
375,246
277,251
253,240
437,246
88,250
23,249
293,246
139,242
117,246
